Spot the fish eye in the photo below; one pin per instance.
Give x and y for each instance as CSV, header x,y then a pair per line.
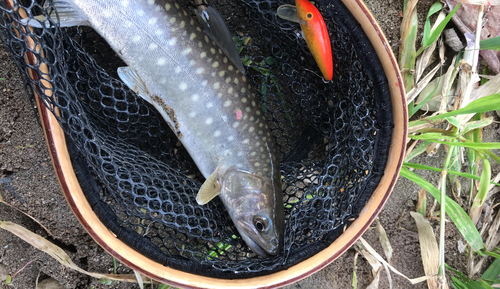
x,y
309,15
261,224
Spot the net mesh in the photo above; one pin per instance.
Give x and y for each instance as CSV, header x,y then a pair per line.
x,y
332,138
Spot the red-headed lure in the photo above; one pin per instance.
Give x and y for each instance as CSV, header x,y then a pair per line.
x,y
315,32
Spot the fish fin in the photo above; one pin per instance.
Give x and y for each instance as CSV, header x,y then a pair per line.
x,y
68,14
209,190
289,12
134,82
213,26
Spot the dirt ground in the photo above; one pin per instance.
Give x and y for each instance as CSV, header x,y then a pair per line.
x,y
29,184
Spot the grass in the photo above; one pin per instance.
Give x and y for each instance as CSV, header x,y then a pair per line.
x,y
460,130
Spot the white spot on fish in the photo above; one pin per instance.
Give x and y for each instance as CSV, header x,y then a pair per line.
x,y
253,154
192,114
168,7
221,73
231,138
177,6
151,2
125,3
220,51
212,50
230,67
245,141
206,39
228,80
236,81
199,70
209,105
224,59
257,164
244,100
195,97
192,36
191,22
253,103
192,62
230,90
224,118
227,103
200,44
217,133
203,55
264,138
243,90
251,129
159,32
187,51
247,109
177,69
161,61
139,12
261,124
172,41
172,20
209,121
136,38
183,24
219,95
236,124
240,154
152,21
153,46
183,86
157,8
252,118
257,112
215,64
217,85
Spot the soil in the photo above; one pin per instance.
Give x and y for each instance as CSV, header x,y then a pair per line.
x,y
28,182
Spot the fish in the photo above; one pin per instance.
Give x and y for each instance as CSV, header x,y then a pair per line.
x,y
204,98
315,32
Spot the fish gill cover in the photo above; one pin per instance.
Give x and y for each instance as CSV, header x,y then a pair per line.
x,y
333,138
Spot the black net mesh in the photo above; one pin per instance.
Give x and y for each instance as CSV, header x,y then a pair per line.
x,y
333,138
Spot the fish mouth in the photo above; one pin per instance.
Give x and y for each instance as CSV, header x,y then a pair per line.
x,y
257,249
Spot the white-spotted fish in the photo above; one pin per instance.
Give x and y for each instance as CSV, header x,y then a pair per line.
x,y
206,101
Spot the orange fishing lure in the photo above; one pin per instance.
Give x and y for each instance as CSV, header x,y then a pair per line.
x,y
315,32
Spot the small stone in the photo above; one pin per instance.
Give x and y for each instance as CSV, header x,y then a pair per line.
x,y
49,284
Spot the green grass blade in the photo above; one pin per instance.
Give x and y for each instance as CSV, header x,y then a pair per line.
x,y
460,174
432,136
484,183
407,50
436,7
484,104
482,146
454,211
417,151
490,44
439,29
493,271
418,106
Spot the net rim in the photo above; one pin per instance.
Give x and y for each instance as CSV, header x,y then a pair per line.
x,y
108,241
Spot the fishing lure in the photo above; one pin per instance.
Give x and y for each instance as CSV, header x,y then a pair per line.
x,y
315,32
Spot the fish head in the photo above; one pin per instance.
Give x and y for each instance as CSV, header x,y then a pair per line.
x,y
255,204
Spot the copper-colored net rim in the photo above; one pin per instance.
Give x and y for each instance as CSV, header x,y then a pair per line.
x,y
106,239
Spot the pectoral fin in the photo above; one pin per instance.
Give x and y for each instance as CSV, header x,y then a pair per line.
x,y
68,14
134,82
209,190
213,26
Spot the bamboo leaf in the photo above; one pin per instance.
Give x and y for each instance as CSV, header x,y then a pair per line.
x,y
484,104
490,44
454,211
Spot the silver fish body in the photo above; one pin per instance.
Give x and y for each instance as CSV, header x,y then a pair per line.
x,y
207,102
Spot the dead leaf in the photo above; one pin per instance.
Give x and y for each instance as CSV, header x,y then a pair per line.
x,y
428,249
384,240
466,21
57,253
